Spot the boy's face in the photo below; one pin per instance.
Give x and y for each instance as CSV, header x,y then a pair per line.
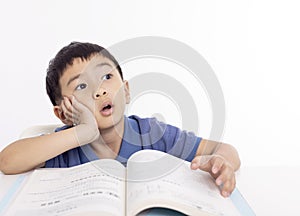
x,y
97,84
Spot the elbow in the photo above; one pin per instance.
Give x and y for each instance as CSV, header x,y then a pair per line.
x,y
11,165
6,165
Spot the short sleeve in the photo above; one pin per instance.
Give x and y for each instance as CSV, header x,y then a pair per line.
x,y
167,138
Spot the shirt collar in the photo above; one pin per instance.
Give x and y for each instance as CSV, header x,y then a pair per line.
x,y
131,141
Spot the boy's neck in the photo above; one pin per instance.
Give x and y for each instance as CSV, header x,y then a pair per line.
x,y
109,143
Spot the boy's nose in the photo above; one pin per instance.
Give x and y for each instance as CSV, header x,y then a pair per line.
x,y
100,93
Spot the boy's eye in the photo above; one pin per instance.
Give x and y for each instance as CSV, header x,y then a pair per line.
x,y
107,76
81,86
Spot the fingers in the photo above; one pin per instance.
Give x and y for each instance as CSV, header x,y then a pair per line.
x,y
69,111
217,164
76,105
226,180
207,163
228,187
220,170
201,162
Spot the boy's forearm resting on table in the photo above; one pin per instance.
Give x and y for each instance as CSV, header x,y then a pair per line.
x,y
29,153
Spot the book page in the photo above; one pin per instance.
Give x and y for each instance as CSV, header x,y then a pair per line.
x,y
156,179
88,189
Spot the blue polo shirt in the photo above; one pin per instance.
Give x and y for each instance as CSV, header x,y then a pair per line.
x,y
139,134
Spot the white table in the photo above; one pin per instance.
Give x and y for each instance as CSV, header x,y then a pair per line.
x,y
271,190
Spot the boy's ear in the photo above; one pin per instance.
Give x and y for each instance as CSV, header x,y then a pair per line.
x,y
60,114
127,92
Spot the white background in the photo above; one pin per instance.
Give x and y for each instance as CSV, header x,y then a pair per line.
x,y
252,46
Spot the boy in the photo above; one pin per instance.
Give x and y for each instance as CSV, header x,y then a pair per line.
x,y
86,87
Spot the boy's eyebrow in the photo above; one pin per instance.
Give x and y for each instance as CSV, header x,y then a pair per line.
x,y
73,78
103,64
78,75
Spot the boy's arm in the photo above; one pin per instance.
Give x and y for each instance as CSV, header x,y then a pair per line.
x,y
220,160
26,154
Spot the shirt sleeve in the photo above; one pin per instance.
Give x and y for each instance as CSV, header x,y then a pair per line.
x,y
182,144
172,140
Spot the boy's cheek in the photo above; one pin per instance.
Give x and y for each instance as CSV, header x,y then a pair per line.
x,y
85,100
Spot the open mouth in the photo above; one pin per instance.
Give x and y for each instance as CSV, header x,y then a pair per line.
x,y
107,109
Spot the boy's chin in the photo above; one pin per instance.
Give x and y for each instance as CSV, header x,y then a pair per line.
x,y
109,122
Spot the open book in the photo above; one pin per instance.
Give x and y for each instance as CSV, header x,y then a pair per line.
x,y
152,179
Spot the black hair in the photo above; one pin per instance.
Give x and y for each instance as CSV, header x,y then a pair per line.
x,y
64,58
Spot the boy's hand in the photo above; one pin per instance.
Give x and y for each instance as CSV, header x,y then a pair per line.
x,y
219,168
82,118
